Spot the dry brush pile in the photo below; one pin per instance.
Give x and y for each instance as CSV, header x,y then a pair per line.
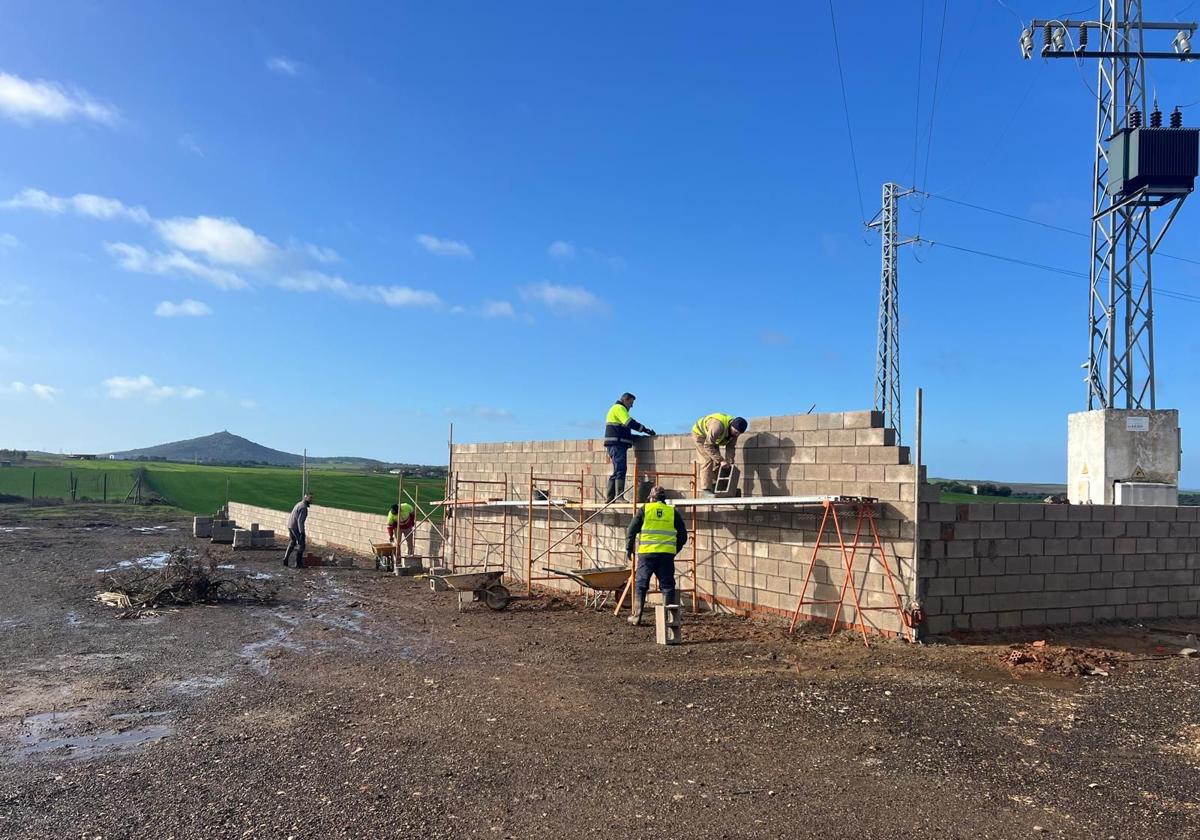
x,y
182,578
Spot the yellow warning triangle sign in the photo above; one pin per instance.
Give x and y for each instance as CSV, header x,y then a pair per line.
x,y
1084,471
1138,472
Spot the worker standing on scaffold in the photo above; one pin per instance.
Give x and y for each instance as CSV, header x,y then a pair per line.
x,y
618,437
660,534
711,432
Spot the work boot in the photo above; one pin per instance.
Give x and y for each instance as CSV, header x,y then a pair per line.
x,y
620,494
611,492
635,617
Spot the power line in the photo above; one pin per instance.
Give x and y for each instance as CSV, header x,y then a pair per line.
x,y
862,212
1028,263
917,110
1030,221
1067,272
937,75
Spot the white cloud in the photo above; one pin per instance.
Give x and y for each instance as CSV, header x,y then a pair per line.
x,y
283,66
318,253
12,294
188,307
188,143
24,101
564,299
221,240
561,250
444,247
44,392
143,387
316,281
497,309
137,259
7,243
82,204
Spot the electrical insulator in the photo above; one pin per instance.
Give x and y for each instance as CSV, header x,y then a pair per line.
x,y
1156,117
1082,37
1177,118
1135,118
1047,36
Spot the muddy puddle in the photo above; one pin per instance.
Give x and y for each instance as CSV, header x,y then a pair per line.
x,y
151,561
69,734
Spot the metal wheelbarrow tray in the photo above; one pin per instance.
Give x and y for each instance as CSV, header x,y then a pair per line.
x,y
479,586
603,580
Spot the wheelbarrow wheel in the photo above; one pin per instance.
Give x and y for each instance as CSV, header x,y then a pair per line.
x,y
496,597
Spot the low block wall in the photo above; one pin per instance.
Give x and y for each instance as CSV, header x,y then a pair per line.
x,y
332,527
989,566
748,559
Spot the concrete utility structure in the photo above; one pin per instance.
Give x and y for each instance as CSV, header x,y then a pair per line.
x,y
1123,457
1136,170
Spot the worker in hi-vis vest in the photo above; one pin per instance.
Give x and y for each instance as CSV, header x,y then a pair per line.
x,y
618,437
402,518
711,432
660,534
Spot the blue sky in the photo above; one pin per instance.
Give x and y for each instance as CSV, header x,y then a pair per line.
x,y
343,227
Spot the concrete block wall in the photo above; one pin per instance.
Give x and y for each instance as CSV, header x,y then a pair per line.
x,y
748,559
333,527
995,566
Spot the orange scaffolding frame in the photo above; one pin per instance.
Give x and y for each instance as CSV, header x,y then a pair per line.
x,y
555,502
864,511
693,536
473,535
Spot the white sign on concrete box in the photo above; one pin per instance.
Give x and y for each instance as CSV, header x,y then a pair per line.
x,y
1137,424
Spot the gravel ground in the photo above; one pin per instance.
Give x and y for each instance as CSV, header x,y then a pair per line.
x,y
363,705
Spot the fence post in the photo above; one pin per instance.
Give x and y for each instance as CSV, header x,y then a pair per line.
x,y
33,490
104,477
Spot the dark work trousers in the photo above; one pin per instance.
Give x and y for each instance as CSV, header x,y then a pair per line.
x,y
616,481
295,541
620,461
662,566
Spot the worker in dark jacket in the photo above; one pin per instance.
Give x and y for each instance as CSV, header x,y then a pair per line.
x,y
618,437
296,533
660,534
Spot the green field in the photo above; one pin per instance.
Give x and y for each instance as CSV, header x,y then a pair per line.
x,y
201,489
973,499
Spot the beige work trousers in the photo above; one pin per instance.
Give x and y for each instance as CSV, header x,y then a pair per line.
x,y
709,458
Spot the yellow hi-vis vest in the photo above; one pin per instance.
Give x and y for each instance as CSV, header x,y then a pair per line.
x,y
658,529
700,430
618,415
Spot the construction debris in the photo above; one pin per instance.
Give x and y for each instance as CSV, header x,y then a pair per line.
x,y
183,578
1070,662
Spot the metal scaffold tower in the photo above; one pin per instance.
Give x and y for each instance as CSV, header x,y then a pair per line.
x,y
887,356
1120,365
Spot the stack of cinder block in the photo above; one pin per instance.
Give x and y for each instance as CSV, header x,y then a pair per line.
x,y
202,527
221,530
253,537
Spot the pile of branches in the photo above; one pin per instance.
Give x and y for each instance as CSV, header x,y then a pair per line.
x,y
184,578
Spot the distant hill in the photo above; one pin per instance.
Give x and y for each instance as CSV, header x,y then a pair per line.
x,y
227,448
221,448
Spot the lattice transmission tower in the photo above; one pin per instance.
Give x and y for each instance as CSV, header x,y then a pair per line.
x,y
887,354
1136,170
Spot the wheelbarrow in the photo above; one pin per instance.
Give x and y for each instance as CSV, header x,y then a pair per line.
x,y
479,586
385,554
601,581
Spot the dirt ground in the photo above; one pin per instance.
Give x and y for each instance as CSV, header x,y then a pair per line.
x,y
364,705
